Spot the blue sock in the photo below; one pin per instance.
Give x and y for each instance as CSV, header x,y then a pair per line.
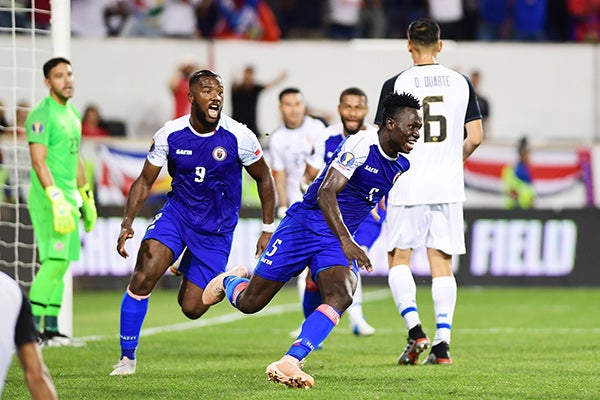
x,y
315,329
234,285
133,312
312,300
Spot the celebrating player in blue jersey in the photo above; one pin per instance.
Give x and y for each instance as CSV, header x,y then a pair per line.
x,y
317,232
205,152
352,109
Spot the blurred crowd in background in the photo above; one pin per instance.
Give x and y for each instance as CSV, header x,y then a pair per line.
x,y
272,20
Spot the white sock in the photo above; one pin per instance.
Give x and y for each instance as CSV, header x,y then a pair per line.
x,y
355,311
404,291
443,292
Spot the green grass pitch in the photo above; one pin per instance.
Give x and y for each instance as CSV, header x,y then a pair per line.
x,y
508,343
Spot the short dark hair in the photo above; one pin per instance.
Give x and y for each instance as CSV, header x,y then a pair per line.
x,y
394,102
53,62
423,32
195,76
353,91
289,90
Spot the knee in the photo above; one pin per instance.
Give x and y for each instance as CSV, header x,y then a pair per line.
x,y
192,312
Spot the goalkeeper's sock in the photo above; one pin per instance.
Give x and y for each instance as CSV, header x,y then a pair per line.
x,y
404,292
311,299
133,312
443,292
50,323
48,279
315,330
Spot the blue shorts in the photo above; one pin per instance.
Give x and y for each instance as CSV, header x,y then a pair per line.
x,y
293,247
206,254
368,231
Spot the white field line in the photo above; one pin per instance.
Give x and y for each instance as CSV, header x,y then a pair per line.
x,y
367,297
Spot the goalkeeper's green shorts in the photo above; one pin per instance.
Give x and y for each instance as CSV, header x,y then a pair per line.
x,y
51,244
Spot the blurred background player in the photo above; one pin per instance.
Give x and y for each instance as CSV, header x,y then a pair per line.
x,y
244,97
18,332
178,84
425,208
516,180
289,147
352,109
205,152
58,189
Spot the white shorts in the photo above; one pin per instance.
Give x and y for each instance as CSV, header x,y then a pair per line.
x,y
436,226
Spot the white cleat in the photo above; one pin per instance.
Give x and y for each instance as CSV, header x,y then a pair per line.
x,y
362,328
125,366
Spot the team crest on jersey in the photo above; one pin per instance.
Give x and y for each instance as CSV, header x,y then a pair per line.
x,y
59,246
37,127
396,177
219,153
347,159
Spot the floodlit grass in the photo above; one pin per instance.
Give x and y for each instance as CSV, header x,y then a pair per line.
x,y
508,343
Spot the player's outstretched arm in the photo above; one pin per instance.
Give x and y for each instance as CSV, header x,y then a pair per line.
x,y
333,184
138,193
261,173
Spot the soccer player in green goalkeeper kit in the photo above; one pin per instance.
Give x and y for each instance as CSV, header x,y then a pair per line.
x,y
58,190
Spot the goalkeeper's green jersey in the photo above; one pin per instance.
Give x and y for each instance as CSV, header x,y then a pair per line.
x,y
58,128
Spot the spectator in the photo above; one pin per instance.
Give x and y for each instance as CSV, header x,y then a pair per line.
x,y
244,97
178,18
246,19
344,18
87,17
529,20
585,17
494,22
91,123
3,121
484,105
179,86
6,17
143,18
449,15
372,19
517,181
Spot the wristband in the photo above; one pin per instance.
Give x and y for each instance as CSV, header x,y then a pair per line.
x,y
269,228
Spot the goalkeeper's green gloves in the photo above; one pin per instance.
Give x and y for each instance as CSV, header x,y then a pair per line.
x,y
62,210
90,215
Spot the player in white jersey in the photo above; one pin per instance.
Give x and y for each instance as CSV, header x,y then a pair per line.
x,y
290,145
352,109
205,152
425,208
17,331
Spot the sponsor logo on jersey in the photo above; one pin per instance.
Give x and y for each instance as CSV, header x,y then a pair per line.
x,y
396,177
346,160
183,152
371,169
219,153
37,127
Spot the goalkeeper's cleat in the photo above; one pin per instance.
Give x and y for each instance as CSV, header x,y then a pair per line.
x,y
417,343
125,366
439,354
362,328
288,371
57,339
214,292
